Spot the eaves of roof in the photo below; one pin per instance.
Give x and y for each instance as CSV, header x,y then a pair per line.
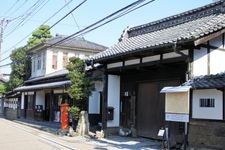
x,y
207,82
196,24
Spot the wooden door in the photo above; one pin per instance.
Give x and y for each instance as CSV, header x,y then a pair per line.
x,y
151,108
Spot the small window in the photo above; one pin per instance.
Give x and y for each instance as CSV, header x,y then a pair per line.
x,y
54,60
65,59
207,102
34,65
39,62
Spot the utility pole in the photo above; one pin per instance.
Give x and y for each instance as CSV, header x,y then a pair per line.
x,y
3,24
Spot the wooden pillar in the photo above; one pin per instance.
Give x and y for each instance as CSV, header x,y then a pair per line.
x,y
51,111
105,102
190,65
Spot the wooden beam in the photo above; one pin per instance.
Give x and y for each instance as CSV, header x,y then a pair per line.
x,y
208,37
51,105
223,40
212,47
208,58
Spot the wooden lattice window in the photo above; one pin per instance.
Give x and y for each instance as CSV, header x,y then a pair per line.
x,y
207,102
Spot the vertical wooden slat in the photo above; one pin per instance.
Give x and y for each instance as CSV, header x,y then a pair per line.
x,y
51,106
208,58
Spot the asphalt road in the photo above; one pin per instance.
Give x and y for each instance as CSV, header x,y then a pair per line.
x,y
16,136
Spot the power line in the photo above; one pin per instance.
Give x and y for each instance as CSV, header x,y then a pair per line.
x,y
36,28
18,8
36,11
125,10
80,4
5,65
116,17
26,14
10,8
78,27
67,14
92,26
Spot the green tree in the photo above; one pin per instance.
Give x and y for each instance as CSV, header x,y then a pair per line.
x,y
39,35
81,84
21,62
20,68
2,88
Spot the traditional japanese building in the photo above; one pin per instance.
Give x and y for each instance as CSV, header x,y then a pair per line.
x,y
46,89
167,52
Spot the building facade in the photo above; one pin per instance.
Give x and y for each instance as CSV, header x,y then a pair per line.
x,y
46,89
167,52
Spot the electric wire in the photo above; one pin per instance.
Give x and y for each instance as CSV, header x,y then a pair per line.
x,y
116,17
74,19
35,29
36,11
26,14
66,15
18,8
123,11
88,28
10,8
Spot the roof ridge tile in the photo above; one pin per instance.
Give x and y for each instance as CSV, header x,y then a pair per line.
x,y
209,9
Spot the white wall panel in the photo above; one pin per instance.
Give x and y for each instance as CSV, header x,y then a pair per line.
x,y
114,65
217,61
94,103
150,58
132,62
207,112
200,62
40,98
114,99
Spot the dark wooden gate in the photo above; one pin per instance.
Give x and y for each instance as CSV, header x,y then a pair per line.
x,y
151,108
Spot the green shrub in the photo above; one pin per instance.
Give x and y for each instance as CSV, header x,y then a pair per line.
x,y
74,111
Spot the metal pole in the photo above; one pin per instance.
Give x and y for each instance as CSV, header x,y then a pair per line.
x,y
185,135
167,138
1,34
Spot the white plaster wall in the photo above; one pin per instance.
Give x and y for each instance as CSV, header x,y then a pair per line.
x,y
94,103
217,61
207,112
47,69
71,54
114,99
40,98
49,61
60,60
22,100
217,56
200,62
94,99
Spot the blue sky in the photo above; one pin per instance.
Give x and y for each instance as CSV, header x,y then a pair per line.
x,y
88,13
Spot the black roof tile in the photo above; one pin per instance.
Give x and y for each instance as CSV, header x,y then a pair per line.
x,y
181,28
208,81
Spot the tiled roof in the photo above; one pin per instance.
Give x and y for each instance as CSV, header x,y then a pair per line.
x,y
76,42
181,28
62,72
52,85
208,81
